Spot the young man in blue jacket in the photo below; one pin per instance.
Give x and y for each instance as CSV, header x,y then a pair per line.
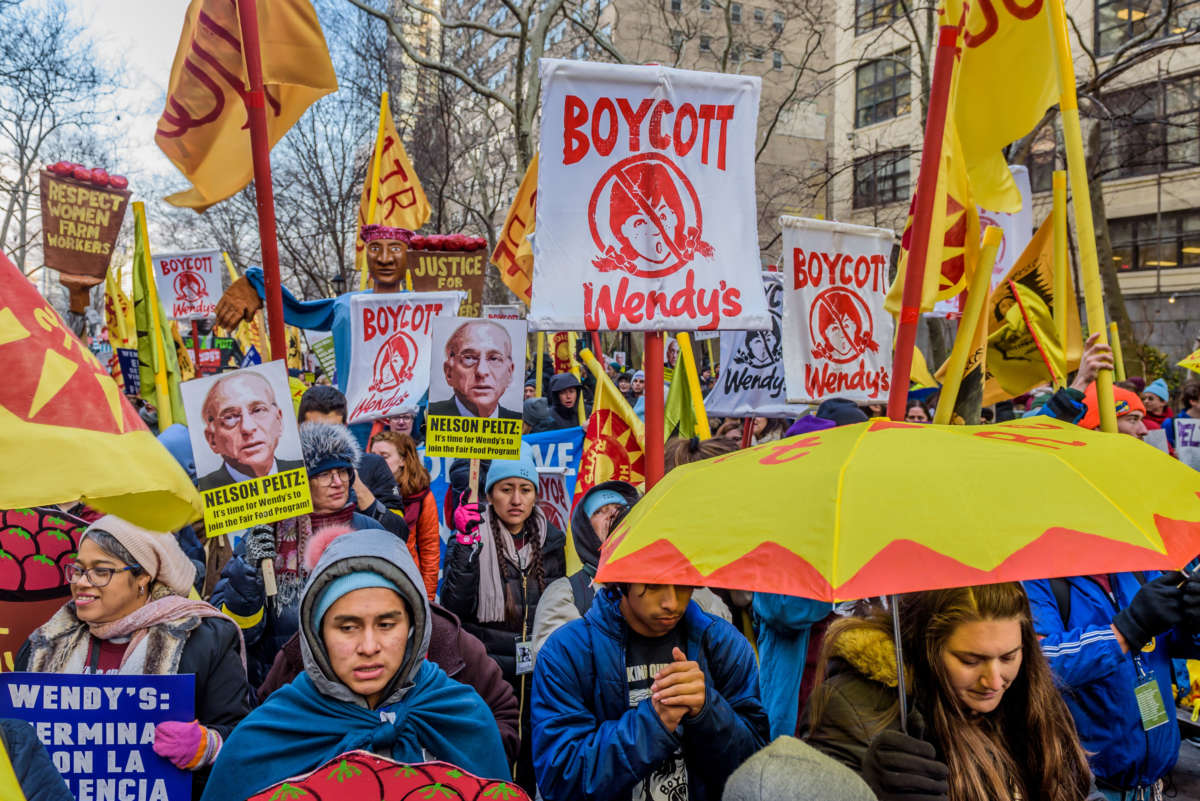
x,y
1110,638
646,698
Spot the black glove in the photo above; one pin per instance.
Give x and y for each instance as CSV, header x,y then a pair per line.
x,y
1191,604
260,545
901,767
1157,607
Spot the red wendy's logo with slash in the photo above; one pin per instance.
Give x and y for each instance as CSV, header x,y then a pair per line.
x,y
395,363
645,218
189,287
840,326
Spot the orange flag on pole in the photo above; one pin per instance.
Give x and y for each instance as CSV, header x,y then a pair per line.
x,y
400,199
513,255
203,129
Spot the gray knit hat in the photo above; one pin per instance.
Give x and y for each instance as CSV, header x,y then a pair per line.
x,y
791,770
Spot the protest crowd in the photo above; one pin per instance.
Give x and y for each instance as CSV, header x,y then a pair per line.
x,y
403,544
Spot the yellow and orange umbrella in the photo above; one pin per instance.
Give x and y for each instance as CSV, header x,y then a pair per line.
x,y
881,507
66,431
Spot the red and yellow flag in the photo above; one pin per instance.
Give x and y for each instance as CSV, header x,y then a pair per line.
x,y
203,129
513,255
613,446
1007,79
75,434
400,201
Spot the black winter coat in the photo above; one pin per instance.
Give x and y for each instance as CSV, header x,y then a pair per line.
x,y
460,594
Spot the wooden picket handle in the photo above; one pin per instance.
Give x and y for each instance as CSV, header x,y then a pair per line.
x,y
473,481
268,573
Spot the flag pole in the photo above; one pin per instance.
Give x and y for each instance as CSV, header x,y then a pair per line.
x,y
1061,265
1118,359
373,197
914,277
968,326
693,378
264,192
1089,266
158,347
652,364
540,363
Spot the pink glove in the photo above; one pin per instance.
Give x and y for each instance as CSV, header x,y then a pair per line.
x,y
187,745
467,518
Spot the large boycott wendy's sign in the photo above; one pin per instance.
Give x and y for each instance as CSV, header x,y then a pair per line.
x,y
99,730
837,337
389,350
189,284
646,215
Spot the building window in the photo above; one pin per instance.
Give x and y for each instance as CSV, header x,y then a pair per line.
x,y
735,12
676,40
706,5
778,22
1148,243
1152,128
760,15
756,54
777,60
1118,21
676,6
1043,154
869,14
735,53
705,43
881,179
881,89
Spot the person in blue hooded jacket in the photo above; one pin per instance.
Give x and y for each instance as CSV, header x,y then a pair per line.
x,y
644,698
365,628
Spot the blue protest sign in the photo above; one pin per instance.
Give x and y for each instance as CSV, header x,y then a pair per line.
x,y
251,357
99,729
128,359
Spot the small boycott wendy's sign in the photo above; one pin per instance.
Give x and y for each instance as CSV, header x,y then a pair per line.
x,y
99,730
837,337
80,222
646,215
389,350
189,284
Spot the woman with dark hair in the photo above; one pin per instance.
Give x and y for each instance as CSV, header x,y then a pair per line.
x,y
917,412
680,451
420,508
986,719
129,614
500,561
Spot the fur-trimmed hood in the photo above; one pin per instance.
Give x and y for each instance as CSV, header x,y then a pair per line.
x,y
327,446
868,650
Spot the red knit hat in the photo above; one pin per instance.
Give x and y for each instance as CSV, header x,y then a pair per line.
x,y
370,233
1124,400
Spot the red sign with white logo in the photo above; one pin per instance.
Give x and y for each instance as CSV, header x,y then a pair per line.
x,y
837,337
646,217
389,351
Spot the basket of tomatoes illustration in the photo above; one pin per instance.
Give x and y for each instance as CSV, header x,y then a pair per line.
x,y
363,776
35,545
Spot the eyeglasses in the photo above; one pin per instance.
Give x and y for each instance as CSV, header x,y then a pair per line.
x,y
326,478
96,576
259,412
470,358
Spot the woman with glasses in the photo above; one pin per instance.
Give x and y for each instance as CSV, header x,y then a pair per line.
x,y
128,608
331,455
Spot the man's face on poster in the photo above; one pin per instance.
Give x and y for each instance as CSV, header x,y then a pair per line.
x,y
386,261
479,366
242,423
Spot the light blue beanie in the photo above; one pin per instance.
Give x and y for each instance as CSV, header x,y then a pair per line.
x,y
595,500
1158,387
513,468
348,583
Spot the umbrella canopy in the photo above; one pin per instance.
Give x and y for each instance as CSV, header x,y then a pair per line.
x,y
66,431
881,507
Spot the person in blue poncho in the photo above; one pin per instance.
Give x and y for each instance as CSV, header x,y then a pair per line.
x,y
365,628
387,259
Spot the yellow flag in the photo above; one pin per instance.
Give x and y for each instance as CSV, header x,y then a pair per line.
x,y
613,444
203,129
10,788
118,314
513,255
920,371
1007,79
1192,362
954,238
401,202
1023,347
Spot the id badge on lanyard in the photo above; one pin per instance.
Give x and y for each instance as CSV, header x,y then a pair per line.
x,y
1149,698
